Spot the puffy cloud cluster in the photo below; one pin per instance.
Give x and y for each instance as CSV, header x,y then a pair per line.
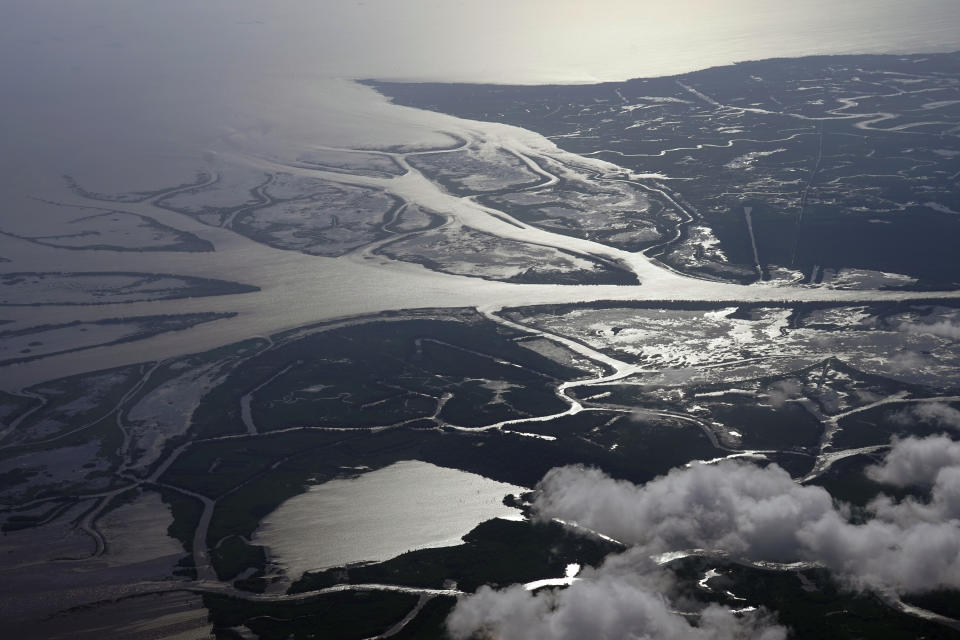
x,y
741,508
930,526
754,513
761,514
899,556
610,603
916,461
909,545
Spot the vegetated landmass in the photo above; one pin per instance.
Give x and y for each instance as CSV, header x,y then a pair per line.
x,y
849,163
264,420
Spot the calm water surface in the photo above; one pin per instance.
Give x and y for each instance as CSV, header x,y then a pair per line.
x,y
379,515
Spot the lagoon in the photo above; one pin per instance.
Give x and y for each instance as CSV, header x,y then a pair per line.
x,y
378,515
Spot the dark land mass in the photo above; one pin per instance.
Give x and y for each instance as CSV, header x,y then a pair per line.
x,y
846,161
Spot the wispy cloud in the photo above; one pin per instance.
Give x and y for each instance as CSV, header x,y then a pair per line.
x,y
940,329
938,413
907,362
782,391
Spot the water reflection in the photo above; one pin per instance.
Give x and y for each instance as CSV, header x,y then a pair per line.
x,y
378,515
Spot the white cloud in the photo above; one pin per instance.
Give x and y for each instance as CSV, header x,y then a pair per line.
x,y
916,461
886,556
760,514
743,510
618,600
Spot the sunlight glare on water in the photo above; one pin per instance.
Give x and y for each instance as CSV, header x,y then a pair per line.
x,y
378,515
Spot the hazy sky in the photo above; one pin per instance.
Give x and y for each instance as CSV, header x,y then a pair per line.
x,y
493,40
126,87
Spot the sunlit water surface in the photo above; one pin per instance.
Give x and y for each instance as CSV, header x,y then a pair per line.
x,y
137,96
379,515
